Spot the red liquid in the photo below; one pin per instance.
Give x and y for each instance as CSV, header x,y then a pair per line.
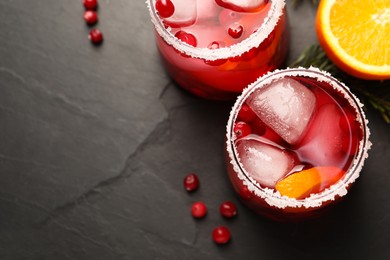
x,y
217,27
330,139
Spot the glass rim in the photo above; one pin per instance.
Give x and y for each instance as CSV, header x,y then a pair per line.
x,y
254,40
272,197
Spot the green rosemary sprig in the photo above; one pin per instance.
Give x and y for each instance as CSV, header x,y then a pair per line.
x,y
374,93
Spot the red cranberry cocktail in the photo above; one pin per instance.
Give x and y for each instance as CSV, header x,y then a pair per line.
x,y
296,140
215,48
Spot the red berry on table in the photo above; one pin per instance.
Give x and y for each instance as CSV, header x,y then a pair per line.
x,y
241,129
228,209
198,209
246,114
191,182
165,8
221,235
90,17
90,4
96,36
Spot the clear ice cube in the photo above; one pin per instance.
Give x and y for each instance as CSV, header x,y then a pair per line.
x,y
185,13
323,143
264,162
242,5
286,106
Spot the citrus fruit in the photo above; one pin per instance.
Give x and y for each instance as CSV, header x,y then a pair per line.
x,y
355,35
303,183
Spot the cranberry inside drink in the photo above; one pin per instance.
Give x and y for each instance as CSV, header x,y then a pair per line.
x,y
215,48
296,141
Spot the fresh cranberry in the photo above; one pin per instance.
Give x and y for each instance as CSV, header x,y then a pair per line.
x,y
187,38
221,235
246,114
235,31
191,182
198,209
90,17
228,209
96,36
90,4
241,129
165,8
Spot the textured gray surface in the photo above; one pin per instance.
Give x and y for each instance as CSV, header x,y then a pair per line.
x,y
95,142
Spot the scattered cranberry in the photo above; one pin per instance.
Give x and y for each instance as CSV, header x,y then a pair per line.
x,y
198,209
90,17
246,114
96,36
228,209
165,8
221,235
191,182
187,38
90,4
235,31
241,129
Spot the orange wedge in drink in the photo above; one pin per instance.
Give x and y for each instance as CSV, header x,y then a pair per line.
x,y
303,183
355,35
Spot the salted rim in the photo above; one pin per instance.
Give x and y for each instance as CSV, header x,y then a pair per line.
x,y
254,40
272,197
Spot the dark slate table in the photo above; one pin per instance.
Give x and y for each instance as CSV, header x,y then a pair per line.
x,y
95,142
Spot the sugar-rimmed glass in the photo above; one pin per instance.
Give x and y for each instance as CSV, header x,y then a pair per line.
x,y
268,201
220,70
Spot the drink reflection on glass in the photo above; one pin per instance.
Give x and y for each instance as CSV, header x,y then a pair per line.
x,y
296,141
215,48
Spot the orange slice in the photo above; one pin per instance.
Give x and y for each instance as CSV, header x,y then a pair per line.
x,y
355,35
301,184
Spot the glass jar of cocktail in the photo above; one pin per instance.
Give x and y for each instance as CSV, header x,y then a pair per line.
x,y
296,141
215,48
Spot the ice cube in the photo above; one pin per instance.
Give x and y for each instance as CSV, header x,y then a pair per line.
x,y
184,15
323,143
207,9
286,106
243,5
264,162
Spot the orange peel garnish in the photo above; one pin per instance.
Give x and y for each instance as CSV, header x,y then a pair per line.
x,y
303,183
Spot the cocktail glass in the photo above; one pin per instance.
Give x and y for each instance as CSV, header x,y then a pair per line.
x,y
296,141
215,48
